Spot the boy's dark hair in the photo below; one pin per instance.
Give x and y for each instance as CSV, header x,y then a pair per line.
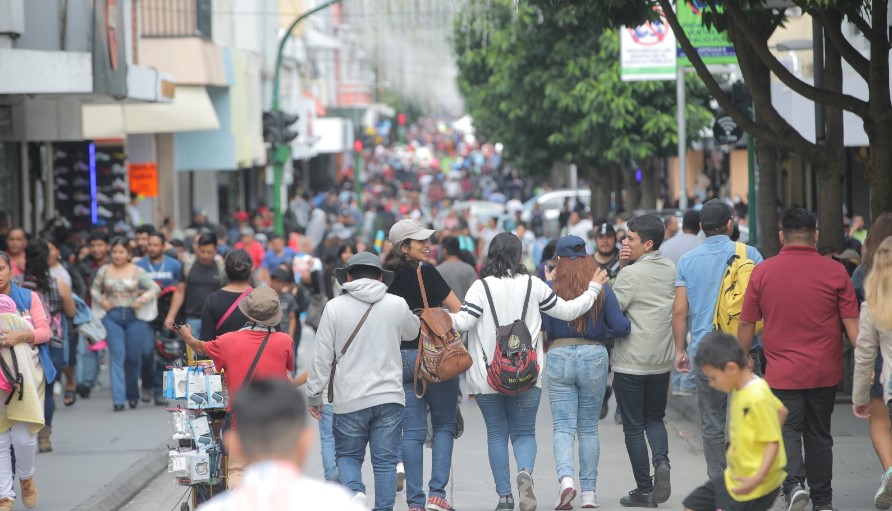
x,y
718,348
798,221
145,229
649,228
270,416
176,243
98,236
364,272
451,246
274,236
207,238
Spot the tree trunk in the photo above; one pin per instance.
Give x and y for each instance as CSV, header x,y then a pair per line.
x,y
620,196
630,187
649,183
829,170
600,186
769,243
879,171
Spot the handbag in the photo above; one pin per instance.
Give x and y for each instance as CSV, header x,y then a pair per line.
x,y
334,362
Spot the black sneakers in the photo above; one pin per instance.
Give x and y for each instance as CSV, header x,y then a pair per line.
x,y
796,498
662,484
637,498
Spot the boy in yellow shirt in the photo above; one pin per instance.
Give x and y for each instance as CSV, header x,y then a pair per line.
x,y
756,457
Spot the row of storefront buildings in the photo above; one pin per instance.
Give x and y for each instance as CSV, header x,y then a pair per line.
x,y
165,99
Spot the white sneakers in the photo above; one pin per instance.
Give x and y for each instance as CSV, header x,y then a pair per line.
x,y
360,500
526,497
568,493
589,500
883,497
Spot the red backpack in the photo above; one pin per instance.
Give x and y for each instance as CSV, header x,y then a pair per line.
x,y
515,365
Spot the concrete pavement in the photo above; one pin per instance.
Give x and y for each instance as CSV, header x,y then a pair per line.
x,y
100,458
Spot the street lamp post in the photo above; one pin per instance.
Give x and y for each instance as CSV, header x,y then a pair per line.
x,y
282,152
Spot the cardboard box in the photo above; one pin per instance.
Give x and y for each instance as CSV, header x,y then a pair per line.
x,y
199,466
177,464
202,436
175,383
204,391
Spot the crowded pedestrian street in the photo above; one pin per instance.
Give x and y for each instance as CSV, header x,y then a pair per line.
x,y
430,255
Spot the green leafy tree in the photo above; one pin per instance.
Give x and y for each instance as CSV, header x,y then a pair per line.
x,y
546,84
748,24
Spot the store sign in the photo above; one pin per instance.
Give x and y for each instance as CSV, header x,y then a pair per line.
x,y
647,52
726,131
144,179
712,46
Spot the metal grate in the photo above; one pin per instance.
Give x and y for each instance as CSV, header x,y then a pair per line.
x,y
176,18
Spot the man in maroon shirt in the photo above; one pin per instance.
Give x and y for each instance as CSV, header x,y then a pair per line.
x,y
805,300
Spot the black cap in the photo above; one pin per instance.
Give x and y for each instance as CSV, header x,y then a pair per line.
x,y
714,215
605,229
280,275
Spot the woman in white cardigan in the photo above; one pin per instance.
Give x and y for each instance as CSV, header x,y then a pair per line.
x,y
514,416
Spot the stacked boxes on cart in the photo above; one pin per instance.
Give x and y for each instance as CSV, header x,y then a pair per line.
x,y
199,456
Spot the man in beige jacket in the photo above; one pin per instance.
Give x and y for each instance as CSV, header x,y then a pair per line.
x,y
642,361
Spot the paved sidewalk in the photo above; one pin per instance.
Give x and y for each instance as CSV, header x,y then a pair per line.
x,y
856,470
100,458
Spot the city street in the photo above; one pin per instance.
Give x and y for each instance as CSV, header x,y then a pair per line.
x,y
856,469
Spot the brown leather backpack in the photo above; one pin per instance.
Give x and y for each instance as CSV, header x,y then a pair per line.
x,y
441,354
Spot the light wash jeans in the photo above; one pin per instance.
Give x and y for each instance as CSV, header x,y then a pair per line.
x,y
86,370
326,438
379,428
514,418
442,399
577,379
126,336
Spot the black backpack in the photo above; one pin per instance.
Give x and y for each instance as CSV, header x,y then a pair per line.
x,y
515,365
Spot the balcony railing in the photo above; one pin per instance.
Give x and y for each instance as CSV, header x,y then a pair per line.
x,y
176,18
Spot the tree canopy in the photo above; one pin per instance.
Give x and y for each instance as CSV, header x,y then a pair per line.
x,y
546,83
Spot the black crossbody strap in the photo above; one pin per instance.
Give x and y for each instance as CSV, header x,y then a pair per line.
x,y
526,302
492,306
250,372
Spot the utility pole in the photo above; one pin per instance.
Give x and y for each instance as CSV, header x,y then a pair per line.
x,y
281,151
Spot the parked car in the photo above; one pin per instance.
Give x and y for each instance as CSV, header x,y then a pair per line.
x,y
478,211
551,204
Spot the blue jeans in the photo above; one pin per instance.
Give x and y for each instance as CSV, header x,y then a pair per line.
x,y
713,405
87,368
379,428
684,381
57,355
642,400
326,438
152,371
442,399
577,379
126,337
511,417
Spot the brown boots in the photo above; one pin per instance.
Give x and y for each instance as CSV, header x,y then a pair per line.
x,y
43,440
29,492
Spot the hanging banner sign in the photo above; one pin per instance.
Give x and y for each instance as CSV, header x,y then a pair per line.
x,y
712,46
648,52
144,179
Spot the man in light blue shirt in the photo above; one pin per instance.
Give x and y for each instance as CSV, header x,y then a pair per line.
x,y
698,279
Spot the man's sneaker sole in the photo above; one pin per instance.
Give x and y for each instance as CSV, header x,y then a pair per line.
x,y
798,501
526,498
400,481
662,484
883,498
566,499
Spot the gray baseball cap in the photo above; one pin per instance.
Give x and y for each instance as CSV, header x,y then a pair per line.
x,y
409,230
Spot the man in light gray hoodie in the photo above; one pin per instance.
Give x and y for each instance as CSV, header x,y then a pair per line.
x,y
358,362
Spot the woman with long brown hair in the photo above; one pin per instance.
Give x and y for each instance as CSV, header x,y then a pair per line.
x,y
880,424
576,370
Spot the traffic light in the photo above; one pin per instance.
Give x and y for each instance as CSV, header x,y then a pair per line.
x,y
275,127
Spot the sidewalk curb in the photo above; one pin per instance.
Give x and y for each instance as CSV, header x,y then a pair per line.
x,y
128,483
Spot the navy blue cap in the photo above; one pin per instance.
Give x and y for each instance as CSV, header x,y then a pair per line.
x,y
570,246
